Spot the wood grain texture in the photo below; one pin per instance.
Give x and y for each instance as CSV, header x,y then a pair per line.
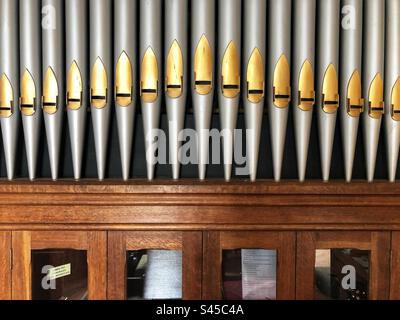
x,y
192,252
176,215
395,267
340,239
168,205
163,240
116,260
380,266
76,240
249,240
286,268
199,227
97,265
183,186
212,259
305,261
77,217
21,272
5,265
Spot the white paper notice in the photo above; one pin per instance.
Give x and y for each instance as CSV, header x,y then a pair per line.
x,y
259,274
164,275
59,272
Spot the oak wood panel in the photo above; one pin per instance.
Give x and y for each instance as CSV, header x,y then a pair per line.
x,y
116,279
139,240
338,239
380,266
76,240
395,267
199,227
379,245
305,261
202,199
164,203
97,262
5,265
248,240
136,215
284,243
212,186
211,266
192,252
186,207
21,271
286,268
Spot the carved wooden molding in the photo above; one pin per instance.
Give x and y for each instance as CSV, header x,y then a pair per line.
x,y
193,205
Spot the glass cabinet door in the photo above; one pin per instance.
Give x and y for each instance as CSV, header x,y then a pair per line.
x,y
343,265
61,265
249,265
249,274
154,274
5,265
154,265
59,274
342,274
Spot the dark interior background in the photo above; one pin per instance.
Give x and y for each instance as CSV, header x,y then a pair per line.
x,y
138,169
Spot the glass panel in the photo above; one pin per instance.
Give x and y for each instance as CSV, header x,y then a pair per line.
x,y
59,275
249,274
154,274
342,274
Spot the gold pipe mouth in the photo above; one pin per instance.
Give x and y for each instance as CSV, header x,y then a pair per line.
x,y
306,93
99,85
230,72
50,92
375,98
174,71
281,90
123,81
74,87
27,100
255,77
355,102
395,101
330,90
6,97
203,67
149,77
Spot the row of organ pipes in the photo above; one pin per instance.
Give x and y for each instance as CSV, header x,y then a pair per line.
x,y
286,56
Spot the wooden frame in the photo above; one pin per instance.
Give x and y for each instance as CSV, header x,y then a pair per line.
x,y
36,214
94,242
120,242
190,205
377,242
395,267
5,265
216,241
